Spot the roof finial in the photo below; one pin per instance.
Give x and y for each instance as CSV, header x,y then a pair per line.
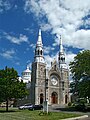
x,y
61,46
27,66
39,32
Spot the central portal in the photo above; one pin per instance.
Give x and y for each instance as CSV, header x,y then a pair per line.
x,y
54,98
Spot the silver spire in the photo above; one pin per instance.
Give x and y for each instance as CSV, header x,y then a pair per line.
x,y
39,42
61,46
39,49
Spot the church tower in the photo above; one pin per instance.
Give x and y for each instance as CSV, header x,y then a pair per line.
x,y
58,83
64,73
38,73
61,56
39,50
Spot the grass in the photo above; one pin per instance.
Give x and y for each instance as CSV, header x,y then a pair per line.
x,y
15,114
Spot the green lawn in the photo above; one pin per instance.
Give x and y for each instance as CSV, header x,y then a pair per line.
x,y
32,115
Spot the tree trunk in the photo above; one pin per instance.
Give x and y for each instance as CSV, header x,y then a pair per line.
x,y
7,105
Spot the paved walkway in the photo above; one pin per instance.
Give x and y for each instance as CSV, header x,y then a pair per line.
x,y
88,116
62,108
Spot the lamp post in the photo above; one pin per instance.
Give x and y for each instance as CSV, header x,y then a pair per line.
x,y
46,87
45,104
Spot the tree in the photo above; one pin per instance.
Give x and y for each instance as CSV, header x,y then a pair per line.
x,y
10,86
80,69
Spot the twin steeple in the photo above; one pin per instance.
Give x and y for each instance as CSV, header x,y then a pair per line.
x,y
39,57
39,49
61,56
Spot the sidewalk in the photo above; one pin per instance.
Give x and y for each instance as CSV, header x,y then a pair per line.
x,y
77,118
85,115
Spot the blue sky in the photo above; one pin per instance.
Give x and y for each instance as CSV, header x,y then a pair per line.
x,y
20,21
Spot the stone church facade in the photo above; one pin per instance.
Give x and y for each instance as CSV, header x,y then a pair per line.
x,y
51,84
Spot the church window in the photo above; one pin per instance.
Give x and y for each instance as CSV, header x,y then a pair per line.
x,y
61,58
62,85
66,97
41,98
38,52
54,67
41,52
41,68
35,52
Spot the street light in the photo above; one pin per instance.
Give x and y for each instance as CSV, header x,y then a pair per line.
x,y
45,104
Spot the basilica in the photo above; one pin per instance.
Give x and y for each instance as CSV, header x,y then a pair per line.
x,y
51,84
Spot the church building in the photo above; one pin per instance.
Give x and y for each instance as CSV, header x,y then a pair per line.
x,y
51,84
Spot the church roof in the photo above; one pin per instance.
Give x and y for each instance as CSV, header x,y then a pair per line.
x,y
27,70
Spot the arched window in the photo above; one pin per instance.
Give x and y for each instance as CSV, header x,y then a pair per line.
x,y
62,85
41,52
66,99
38,52
41,98
54,67
35,52
62,58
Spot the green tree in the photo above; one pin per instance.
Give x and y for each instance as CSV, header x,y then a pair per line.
x,y
10,86
80,69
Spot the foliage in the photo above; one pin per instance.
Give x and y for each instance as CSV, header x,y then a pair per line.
x,y
70,104
84,88
80,69
10,86
80,107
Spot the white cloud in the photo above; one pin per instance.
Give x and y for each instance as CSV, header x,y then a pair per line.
x,y
69,57
49,59
8,54
17,63
48,49
86,23
30,30
33,46
4,5
29,65
45,27
16,40
64,17
81,39
29,3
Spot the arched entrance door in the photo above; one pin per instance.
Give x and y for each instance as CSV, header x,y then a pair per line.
x,y
54,98
66,99
41,98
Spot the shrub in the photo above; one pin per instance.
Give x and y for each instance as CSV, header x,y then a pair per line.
x,y
70,104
